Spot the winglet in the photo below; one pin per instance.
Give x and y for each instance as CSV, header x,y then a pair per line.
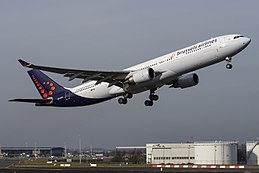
x,y
24,63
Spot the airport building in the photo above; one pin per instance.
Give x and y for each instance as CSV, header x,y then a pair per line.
x,y
173,153
218,152
252,152
32,151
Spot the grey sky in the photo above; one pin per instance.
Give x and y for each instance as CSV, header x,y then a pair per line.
x,y
113,35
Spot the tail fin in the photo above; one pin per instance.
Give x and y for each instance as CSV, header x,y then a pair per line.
x,y
45,85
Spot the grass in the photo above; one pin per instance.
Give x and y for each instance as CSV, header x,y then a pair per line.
x,y
42,163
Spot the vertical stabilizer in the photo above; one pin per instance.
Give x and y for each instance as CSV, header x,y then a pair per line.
x,y
45,85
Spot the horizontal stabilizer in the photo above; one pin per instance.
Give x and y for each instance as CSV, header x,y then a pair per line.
x,y
37,101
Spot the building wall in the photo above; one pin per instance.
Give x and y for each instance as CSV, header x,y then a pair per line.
x,y
174,153
252,152
192,153
215,153
32,151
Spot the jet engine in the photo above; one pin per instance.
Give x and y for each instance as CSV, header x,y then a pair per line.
x,y
186,81
142,75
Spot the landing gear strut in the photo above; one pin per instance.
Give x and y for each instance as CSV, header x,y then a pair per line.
x,y
229,65
124,100
152,97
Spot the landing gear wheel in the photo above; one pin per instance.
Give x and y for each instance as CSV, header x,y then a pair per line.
x,y
122,101
149,103
229,66
128,95
153,97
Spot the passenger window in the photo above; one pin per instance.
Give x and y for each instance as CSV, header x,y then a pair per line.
x,y
238,36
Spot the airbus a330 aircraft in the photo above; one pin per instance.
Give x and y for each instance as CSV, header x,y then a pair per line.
x,y
174,69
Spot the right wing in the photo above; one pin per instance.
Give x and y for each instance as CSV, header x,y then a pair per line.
x,y
112,77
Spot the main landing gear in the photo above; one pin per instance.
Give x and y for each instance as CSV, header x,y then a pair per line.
x,y
229,65
124,100
152,97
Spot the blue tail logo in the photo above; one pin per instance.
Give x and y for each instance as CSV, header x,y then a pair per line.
x,y
45,85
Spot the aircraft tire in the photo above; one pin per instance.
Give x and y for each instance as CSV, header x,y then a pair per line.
x,y
148,103
129,95
153,97
122,101
229,66
156,97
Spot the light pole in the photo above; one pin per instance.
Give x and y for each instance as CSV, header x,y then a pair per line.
x,y
80,156
65,154
51,153
215,155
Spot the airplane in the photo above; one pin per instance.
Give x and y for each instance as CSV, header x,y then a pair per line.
x,y
174,69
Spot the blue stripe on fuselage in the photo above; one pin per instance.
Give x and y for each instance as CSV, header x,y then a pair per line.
x,y
69,99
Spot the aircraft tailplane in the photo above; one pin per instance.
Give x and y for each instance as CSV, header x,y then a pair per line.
x,y
45,85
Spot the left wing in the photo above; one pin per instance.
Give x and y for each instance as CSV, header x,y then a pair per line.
x,y
36,101
112,77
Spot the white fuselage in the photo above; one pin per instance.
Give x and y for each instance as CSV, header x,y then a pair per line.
x,y
171,66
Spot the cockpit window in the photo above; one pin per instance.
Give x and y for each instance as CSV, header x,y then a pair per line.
x,y
238,36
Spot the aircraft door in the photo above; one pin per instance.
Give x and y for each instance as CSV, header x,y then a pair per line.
x,y
67,95
223,48
222,39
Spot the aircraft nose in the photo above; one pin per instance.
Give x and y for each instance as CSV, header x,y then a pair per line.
x,y
246,41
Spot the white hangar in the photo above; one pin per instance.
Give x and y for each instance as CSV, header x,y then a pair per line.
x,y
216,152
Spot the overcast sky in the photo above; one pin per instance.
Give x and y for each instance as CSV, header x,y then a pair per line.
x,y
113,35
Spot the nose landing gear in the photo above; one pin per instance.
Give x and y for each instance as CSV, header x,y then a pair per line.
x,y
229,65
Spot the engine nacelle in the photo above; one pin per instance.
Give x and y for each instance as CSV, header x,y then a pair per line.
x,y
186,81
142,76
